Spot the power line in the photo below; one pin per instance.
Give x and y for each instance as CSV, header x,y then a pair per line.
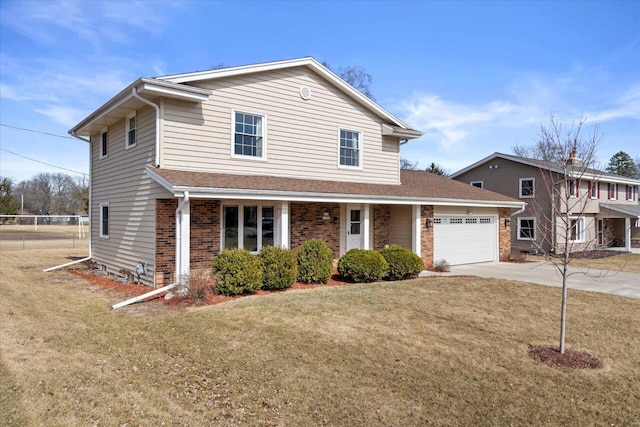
x,y
37,131
44,163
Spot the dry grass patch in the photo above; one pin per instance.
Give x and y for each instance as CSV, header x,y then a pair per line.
x,y
629,263
426,351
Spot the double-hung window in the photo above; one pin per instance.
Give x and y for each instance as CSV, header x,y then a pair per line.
x,y
131,130
104,143
104,220
573,188
249,139
630,192
594,189
613,191
526,229
576,231
247,226
350,148
527,187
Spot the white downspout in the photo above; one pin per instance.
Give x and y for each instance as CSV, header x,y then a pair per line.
x,y
134,92
89,213
179,232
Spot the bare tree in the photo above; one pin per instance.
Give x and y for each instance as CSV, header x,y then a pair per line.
x,y
407,164
567,159
356,76
53,194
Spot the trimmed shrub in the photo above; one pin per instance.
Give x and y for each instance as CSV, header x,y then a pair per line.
x,y
279,267
237,271
315,262
403,264
361,265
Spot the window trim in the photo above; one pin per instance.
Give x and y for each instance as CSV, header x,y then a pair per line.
x,y
630,192
576,187
594,185
581,236
240,204
613,186
473,183
535,225
128,129
104,145
249,112
102,206
360,148
533,188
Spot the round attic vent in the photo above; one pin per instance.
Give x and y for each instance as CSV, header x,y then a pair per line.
x,y
305,92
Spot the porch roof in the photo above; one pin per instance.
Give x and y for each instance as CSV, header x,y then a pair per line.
x,y
417,187
624,211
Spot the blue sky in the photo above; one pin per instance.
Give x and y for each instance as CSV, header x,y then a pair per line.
x,y
476,77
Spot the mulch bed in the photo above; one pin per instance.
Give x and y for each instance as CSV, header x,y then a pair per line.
x,y
570,359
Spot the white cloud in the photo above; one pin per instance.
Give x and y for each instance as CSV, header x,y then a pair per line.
x,y
64,115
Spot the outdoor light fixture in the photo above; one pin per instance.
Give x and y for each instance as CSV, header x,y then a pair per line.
x,y
428,223
335,219
507,222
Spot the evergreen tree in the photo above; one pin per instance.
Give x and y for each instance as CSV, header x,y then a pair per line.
x,y
622,164
8,205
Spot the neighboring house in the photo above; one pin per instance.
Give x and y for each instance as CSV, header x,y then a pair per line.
x,y
611,216
277,153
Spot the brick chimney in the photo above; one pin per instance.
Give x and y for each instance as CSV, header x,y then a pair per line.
x,y
573,160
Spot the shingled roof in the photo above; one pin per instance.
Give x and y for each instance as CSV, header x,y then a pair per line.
x,y
417,186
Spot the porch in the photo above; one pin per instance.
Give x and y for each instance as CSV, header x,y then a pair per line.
x,y
619,226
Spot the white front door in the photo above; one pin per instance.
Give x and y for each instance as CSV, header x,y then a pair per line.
x,y
354,227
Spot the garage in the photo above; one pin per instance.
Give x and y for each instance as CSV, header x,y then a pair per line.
x,y
465,239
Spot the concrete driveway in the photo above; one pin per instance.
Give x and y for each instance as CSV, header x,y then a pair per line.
x,y
616,283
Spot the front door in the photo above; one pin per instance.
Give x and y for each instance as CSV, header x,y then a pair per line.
x,y
354,227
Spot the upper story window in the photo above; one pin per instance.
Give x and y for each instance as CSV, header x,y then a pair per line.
x,y
577,229
613,191
573,188
526,229
594,190
131,130
350,148
104,220
249,139
104,143
478,184
630,192
527,187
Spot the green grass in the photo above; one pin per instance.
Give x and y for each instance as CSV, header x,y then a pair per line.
x,y
425,351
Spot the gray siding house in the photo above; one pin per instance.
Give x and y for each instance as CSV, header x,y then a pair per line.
x,y
277,153
611,214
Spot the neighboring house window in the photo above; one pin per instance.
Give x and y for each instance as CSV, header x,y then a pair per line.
x,y
527,187
104,144
104,220
248,135
630,192
526,229
613,191
350,148
594,190
478,184
247,226
131,130
573,188
577,229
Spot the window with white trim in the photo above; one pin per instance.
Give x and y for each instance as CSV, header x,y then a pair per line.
x,y
104,144
104,220
131,125
350,148
573,188
613,191
527,187
249,226
249,135
576,230
526,228
630,192
594,189
478,184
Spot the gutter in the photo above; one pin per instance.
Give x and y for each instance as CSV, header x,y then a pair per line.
x,y
134,92
143,296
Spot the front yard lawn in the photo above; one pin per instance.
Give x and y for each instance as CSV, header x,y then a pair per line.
x,y
629,263
445,351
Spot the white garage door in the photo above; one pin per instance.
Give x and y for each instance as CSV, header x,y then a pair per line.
x,y
465,240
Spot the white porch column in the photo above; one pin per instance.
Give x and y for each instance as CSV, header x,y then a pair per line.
x,y
183,238
416,223
627,234
365,227
284,225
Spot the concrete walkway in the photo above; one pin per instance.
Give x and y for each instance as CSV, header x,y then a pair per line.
x,y
616,283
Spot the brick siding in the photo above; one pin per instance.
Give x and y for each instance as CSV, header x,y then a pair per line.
x,y
504,234
381,216
307,223
426,239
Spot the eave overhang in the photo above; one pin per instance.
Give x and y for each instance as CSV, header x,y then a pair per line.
x,y
399,132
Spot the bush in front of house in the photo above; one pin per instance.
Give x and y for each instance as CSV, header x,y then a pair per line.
x,y
441,266
315,262
279,267
362,265
237,271
403,264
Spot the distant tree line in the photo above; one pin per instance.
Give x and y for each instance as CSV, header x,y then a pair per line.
x,y
45,194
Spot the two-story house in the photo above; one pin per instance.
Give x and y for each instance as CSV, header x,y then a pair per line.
x,y
607,209
184,166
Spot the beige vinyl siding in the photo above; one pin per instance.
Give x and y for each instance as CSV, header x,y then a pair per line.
x,y
400,225
302,136
121,181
